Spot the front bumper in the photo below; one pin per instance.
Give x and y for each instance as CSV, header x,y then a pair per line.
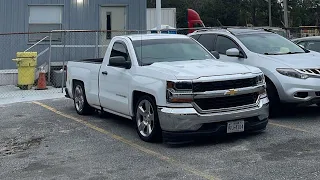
x,y
290,87
253,124
189,120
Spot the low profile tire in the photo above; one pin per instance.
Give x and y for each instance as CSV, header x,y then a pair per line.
x,y
274,104
80,101
147,120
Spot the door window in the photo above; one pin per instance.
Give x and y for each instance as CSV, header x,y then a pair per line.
x,y
224,43
314,46
207,40
120,49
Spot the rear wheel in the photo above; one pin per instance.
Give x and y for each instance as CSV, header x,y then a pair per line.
x,y
147,121
80,101
275,107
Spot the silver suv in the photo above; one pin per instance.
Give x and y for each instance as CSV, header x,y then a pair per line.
x,y
292,72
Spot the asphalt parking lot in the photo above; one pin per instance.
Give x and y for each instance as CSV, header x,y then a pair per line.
x,y
48,140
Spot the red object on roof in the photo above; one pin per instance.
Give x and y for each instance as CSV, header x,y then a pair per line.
x,y
194,20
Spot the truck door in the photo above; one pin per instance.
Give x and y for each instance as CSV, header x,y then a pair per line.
x,y
114,82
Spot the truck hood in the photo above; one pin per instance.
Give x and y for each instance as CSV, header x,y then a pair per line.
x,y
201,68
303,60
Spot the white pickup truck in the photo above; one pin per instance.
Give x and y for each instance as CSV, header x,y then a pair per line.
x,y
171,86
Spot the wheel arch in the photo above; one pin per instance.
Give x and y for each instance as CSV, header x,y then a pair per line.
x,y
135,98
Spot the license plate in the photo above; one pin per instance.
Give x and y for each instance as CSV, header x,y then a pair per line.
x,y
235,126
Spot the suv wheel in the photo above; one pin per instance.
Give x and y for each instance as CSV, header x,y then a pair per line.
x,y
274,99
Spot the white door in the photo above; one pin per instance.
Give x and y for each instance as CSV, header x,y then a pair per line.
x,y
111,18
114,82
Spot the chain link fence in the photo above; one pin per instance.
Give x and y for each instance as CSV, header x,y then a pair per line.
x,y
22,77
303,31
54,49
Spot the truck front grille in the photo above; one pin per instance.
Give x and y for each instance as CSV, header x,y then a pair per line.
x,y
222,85
227,102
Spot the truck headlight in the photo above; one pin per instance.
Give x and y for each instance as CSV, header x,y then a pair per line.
x,y
179,92
292,73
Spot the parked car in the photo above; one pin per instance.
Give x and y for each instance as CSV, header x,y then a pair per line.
x,y
171,86
292,72
311,43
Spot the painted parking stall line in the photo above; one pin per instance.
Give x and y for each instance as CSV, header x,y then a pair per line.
x,y
291,127
132,144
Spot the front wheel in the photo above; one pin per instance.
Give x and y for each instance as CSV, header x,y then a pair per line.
x,y
147,120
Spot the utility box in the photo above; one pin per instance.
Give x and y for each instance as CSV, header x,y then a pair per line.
x,y
26,64
57,77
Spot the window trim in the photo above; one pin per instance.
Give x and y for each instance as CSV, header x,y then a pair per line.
x,y
240,48
298,42
127,51
46,41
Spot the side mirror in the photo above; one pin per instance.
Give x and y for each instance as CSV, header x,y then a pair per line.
x,y
234,52
119,61
215,54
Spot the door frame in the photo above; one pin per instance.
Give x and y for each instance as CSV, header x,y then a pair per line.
x,y
114,5
126,6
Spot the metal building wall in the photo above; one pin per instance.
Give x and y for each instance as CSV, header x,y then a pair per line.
x,y
14,17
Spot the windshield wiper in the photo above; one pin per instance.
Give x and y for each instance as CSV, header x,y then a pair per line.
x,y
293,52
147,64
271,53
281,53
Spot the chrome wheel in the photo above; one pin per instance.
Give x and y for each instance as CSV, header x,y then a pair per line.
x,y
145,118
79,98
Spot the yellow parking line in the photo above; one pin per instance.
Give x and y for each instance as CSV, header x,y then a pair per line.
x,y
132,144
290,127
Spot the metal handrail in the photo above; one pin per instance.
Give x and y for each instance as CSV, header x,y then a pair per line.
x,y
36,43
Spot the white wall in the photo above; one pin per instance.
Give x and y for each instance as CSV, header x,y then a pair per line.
x,y
168,17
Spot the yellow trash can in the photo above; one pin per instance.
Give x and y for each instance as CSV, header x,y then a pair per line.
x,y
26,63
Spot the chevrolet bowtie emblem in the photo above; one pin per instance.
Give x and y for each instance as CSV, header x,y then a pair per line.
x,y
231,92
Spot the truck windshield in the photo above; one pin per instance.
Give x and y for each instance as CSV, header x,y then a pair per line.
x,y
168,50
269,44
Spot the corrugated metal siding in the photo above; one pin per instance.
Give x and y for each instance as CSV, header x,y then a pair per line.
x,y
14,14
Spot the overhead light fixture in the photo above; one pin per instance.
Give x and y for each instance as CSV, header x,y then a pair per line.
x,y
79,1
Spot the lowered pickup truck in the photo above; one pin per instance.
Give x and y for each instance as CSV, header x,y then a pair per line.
x,y
171,86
